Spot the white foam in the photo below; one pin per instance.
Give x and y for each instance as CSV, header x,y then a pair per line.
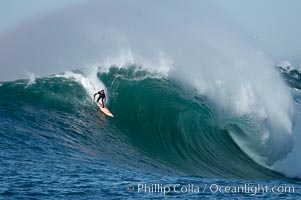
x,y
286,65
291,165
242,81
88,80
160,63
31,80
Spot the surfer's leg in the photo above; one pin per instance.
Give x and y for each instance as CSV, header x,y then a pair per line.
x,y
103,104
98,99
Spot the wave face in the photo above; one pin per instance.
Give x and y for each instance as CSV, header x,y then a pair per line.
x,y
158,121
178,128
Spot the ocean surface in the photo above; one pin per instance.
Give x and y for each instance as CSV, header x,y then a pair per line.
x,y
166,140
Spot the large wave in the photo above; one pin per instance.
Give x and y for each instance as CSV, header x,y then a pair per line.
x,y
174,126
217,84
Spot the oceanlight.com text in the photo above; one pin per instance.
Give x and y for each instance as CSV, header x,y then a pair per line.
x,y
251,189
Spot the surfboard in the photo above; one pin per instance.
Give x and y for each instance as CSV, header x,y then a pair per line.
x,y
104,110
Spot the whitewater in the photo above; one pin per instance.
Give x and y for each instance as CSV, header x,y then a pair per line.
x,y
195,101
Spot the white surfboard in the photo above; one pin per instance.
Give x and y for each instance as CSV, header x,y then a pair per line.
x,y
104,110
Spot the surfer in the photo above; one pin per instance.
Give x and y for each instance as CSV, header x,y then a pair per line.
x,y
101,96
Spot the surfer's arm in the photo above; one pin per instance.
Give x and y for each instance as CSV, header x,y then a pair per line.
x,y
95,95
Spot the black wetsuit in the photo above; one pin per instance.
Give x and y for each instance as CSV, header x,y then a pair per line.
x,y
101,96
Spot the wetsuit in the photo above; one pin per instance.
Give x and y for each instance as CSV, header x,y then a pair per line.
x,y
101,96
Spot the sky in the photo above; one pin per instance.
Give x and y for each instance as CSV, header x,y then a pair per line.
x,y
13,12
273,25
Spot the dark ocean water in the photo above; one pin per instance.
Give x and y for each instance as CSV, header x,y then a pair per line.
x,y
163,143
